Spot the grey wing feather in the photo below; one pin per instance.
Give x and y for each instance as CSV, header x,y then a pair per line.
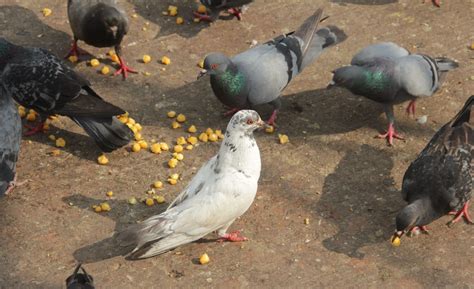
x,y
380,50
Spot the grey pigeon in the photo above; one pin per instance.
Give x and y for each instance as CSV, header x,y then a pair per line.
x,y
221,191
37,79
100,23
389,74
10,137
234,7
260,74
80,280
440,180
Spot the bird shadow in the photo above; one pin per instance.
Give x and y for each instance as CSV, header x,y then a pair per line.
x,y
360,198
364,2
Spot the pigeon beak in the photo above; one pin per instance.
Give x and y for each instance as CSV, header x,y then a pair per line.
x,y
114,30
331,84
397,236
202,73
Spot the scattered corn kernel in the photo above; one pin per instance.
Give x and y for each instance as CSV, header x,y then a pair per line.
x,y
178,156
21,111
134,15
181,140
138,136
472,46
115,58
306,221
94,62
105,207
179,20
109,194
172,182
132,201
178,148
110,53
97,209
102,160
165,60
173,12
189,147
55,153
396,241
73,58
158,185
143,144
174,176
192,140
105,70
203,137
136,147
201,9
164,146
172,163
172,7
204,259
213,137
131,121
146,58
175,125
270,129
181,118
149,202
209,131
155,148
134,129
31,117
123,119
283,138
45,125
138,126
171,113
159,199
60,142
46,12
192,129
150,192
201,64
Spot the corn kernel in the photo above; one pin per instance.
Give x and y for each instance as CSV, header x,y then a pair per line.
x,y
115,58
306,221
110,53
178,156
172,182
138,136
150,192
178,148
31,117
173,12
146,58
143,144
269,129
209,131
158,185
131,121
138,126
132,201
97,209
175,125
159,199
149,202
472,46
105,207
45,125
174,176
105,70
204,259
55,153
201,64
22,113
283,138
123,119
102,160
172,7
192,129
203,137
165,60
396,241
213,137
181,118
201,9
171,114
136,147
73,58
179,20
134,129
60,142
109,194
164,146
155,148
192,140
94,62
189,147
134,15
181,140
172,163
46,12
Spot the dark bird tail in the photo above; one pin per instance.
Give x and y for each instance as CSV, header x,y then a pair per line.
x,y
445,64
109,133
464,115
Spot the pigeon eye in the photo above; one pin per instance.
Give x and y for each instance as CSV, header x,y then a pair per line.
x,y
249,121
214,66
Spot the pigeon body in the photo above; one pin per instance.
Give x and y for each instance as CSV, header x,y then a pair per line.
x,y
100,23
259,75
440,180
234,7
222,190
389,74
38,80
10,137
80,280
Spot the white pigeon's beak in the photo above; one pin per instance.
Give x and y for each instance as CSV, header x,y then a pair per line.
x,y
202,73
261,124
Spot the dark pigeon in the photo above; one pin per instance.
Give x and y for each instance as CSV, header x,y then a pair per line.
x,y
80,280
234,7
10,137
440,180
37,79
260,74
100,23
389,74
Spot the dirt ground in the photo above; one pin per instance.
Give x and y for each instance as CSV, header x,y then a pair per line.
x,y
332,172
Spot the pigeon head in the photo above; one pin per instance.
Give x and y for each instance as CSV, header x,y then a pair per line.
x,y
105,26
412,215
215,64
80,280
245,121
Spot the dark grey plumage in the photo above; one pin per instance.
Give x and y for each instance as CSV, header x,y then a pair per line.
x,y
37,79
440,180
80,280
10,137
259,75
389,74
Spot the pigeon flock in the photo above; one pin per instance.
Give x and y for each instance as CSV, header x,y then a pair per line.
x,y
437,183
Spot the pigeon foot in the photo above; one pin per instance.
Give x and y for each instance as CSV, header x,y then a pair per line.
x,y
32,130
272,119
463,213
411,108
232,237
75,51
236,12
415,231
202,17
124,69
390,135
436,3
13,184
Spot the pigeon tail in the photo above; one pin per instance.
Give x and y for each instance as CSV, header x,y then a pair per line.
x,y
465,114
109,133
445,64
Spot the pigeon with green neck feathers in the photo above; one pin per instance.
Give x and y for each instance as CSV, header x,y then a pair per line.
x,y
389,74
259,75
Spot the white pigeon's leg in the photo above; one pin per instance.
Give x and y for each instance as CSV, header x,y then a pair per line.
x,y
232,237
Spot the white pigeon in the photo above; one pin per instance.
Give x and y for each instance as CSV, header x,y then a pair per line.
x,y
222,190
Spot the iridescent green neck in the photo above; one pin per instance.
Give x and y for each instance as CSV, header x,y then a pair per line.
x,y
231,82
375,80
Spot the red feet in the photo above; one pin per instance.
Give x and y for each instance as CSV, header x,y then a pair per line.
x,y
411,108
231,112
124,69
436,3
237,12
232,237
202,17
271,120
75,51
13,184
390,135
460,214
32,130
417,230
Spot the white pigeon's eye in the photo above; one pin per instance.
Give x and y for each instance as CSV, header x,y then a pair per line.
x,y
249,121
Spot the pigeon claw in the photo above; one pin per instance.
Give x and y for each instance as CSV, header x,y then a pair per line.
x,y
463,213
236,12
233,237
75,51
390,135
202,17
32,130
411,108
415,231
124,69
